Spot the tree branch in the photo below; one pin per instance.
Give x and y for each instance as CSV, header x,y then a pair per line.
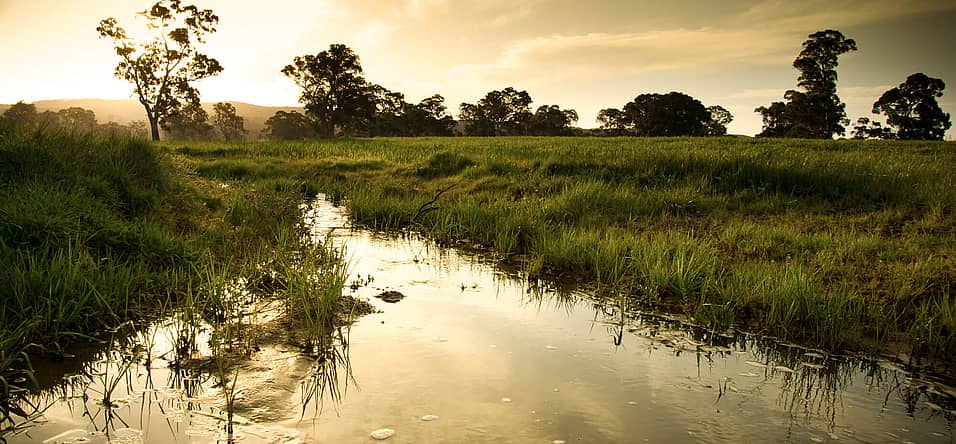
x,y
427,206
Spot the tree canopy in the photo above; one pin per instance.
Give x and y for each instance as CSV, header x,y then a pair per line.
x,y
288,126
162,69
551,120
334,91
671,114
817,112
230,125
189,122
911,108
500,113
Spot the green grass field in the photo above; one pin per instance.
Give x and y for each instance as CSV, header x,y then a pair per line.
x,y
837,244
97,232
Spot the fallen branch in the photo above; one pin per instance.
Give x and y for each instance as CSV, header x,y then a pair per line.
x,y
430,205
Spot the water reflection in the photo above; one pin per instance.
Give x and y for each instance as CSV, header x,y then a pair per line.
x,y
467,336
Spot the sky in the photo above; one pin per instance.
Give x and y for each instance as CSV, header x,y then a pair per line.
x,y
585,55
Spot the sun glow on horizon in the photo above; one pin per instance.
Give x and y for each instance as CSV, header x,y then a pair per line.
x,y
736,54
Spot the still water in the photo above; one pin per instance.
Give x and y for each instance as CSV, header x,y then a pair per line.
x,y
474,354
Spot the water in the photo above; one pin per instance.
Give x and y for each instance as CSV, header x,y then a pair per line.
x,y
475,354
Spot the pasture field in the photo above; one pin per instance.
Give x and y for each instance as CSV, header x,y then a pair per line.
x,y
834,244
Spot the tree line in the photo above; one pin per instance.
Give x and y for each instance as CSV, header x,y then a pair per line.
x,y
73,120
191,123
339,101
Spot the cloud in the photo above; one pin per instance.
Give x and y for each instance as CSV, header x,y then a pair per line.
x,y
811,15
596,55
862,95
373,33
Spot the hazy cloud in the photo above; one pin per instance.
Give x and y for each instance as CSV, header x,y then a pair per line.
x,y
800,16
602,54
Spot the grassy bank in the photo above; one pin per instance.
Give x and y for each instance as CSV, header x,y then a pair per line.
x,y
838,244
96,232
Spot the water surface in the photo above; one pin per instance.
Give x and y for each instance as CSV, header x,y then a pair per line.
x,y
495,359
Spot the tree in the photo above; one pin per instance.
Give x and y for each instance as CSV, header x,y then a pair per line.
x,y
162,69
671,114
499,113
334,92
389,115
613,122
189,122
912,110
137,129
76,119
288,126
430,118
552,121
396,117
871,129
21,114
719,119
775,120
817,112
230,126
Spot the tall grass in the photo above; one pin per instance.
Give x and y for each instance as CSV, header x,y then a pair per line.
x,y
833,243
95,231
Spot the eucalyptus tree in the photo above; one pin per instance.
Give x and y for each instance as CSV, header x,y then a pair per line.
x,y
671,114
230,125
552,121
334,91
499,113
288,126
614,122
163,68
816,112
720,117
911,108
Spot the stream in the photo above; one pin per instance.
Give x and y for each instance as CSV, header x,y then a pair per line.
x,y
476,354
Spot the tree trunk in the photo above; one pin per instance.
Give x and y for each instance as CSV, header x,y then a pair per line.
x,y
154,128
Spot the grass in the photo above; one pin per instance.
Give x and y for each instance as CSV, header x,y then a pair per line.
x,y
98,231
839,244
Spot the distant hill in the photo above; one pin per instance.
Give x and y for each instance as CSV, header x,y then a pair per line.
x,y
127,110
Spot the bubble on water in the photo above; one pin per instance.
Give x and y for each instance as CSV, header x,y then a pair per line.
x,y
556,390
631,403
429,417
381,434
783,368
550,347
505,400
558,441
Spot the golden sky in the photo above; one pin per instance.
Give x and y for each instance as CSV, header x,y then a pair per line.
x,y
585,55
